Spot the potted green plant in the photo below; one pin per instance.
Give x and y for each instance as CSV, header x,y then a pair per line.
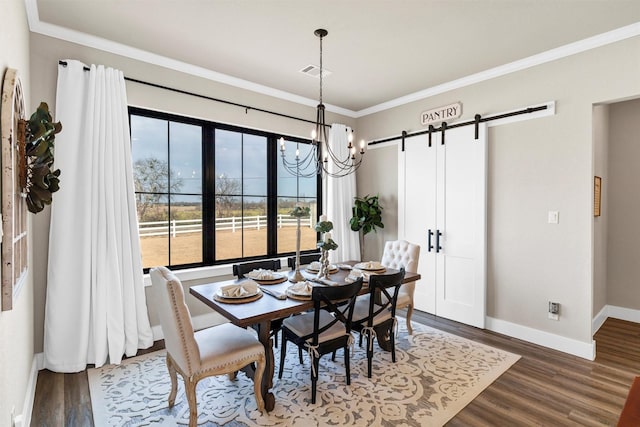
x,y
367,217
38,178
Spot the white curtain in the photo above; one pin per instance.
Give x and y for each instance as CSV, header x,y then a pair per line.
x,y
339,194
95,307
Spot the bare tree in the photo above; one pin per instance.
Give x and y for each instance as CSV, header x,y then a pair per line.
x,y
151,179
227,189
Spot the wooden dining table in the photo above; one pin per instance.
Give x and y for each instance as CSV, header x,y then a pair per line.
x,y
261,312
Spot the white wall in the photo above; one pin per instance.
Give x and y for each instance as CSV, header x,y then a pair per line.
x,y
534,166
16,325
623,208
600,223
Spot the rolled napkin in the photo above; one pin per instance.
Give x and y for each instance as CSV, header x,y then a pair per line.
x,y
261,274
239,290
326,282
301,288
315,265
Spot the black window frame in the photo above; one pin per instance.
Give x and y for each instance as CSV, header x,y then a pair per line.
x,y
208,185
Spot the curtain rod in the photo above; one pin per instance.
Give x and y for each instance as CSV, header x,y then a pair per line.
x,y
184,92
477,120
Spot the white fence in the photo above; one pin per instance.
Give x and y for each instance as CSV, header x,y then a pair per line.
x,y
175,227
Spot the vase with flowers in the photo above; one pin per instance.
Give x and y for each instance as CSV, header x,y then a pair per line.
x,y
325,244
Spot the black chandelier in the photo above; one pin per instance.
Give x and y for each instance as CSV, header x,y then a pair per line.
x,y
321,159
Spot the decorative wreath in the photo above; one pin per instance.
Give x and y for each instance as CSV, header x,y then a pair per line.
x,y
37,178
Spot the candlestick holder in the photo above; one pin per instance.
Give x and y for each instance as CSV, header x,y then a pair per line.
x,y
298,212
324,261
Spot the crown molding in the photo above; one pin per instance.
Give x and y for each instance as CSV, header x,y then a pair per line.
x,y
599,40
50,30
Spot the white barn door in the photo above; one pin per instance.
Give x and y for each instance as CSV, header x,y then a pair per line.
x,y
442,207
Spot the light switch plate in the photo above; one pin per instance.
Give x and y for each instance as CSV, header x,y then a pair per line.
x,y
554,217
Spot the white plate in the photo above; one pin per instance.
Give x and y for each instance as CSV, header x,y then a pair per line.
x,y
276,276
332,269
363,266
249,295
298,293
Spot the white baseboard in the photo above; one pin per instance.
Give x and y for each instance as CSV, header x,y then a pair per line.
x,y
24,419
622,313
545,339
599,320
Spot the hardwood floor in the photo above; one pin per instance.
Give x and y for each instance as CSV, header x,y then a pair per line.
x,y
545,387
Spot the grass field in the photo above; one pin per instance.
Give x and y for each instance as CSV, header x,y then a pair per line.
x,y
187,248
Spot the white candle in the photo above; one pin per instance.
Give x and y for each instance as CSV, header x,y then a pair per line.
x,y
323,218
327,236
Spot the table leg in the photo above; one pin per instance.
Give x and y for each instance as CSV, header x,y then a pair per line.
x,y
264,332
382,333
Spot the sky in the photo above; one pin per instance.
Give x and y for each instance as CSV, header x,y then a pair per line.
x,y
237,156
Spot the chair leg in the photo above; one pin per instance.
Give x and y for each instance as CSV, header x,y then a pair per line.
x,y
347,364
409,313
392,340
369,354
190,389
315,361
283,352
257,382
333,356
174,381
300,355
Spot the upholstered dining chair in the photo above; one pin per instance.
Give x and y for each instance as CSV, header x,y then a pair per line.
x,y
375,313
221,349
323,330
304,260
398,254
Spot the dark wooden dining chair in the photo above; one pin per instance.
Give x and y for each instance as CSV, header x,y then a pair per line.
x,y
304,260
239,270
375,313
325,329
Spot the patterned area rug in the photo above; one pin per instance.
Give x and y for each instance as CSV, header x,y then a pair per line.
x,y
436,375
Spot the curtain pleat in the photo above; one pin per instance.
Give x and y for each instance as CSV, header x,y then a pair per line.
x,y
95,310
339,194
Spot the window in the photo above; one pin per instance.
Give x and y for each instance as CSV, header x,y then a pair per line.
x,y
208,193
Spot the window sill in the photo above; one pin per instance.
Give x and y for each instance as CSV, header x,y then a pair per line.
x,y
210,272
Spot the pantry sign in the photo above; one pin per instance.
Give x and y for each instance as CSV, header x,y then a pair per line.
x,y
441,114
